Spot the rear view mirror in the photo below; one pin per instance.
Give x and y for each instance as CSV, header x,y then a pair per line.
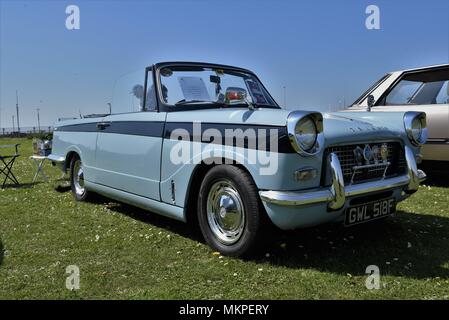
x,y
235,94
370,102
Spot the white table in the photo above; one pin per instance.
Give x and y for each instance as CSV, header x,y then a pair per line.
x,y
39,162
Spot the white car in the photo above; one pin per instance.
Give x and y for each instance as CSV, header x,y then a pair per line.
x,y
422,89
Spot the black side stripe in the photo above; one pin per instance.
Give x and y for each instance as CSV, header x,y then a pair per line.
x,y
81,127
156,129
136,128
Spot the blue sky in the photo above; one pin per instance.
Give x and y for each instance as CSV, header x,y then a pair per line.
x,y
320,50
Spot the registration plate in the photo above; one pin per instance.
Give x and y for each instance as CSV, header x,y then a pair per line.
x,y
370,211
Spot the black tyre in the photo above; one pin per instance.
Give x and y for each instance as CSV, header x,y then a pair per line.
x,y
230,214
77,179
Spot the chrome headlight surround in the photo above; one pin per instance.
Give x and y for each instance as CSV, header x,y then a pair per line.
x,y
416,127
294,121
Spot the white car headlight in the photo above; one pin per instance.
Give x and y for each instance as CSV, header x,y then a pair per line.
x,y
416,128
305,131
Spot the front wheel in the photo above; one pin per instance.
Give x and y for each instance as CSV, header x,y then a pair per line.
x,y
230,215
79,191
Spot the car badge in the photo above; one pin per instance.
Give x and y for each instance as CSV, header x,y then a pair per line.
x,y
367,153
384,152
358,154
376,154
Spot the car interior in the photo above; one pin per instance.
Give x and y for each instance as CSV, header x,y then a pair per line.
x,y
419,88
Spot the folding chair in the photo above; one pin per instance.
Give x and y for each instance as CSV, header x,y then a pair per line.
x,y
7,162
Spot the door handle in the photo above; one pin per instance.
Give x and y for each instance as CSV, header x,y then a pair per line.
x,y
103,125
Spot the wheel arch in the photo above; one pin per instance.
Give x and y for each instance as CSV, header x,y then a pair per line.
x,y
70,153
68,159
197,176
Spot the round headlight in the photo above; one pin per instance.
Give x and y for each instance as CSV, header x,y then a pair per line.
x,y
306,133
417,129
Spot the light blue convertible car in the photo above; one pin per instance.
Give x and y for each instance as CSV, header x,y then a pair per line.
x,y
207,143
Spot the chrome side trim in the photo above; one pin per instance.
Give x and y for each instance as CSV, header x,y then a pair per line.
x,y
155,206
336,195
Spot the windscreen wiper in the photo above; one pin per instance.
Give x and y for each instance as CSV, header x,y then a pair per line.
x,y
215,103
252,105
258,105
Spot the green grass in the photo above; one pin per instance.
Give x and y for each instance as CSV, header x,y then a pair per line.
x,y
127,253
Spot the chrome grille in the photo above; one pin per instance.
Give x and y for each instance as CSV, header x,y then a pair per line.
x,y
394,165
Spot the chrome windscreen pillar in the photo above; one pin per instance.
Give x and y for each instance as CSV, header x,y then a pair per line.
x,y
338,183
415,175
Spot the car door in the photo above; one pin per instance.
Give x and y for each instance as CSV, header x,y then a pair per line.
x,y
129,144
428,92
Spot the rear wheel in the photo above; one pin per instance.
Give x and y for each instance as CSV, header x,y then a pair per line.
x,y
230,215
79,191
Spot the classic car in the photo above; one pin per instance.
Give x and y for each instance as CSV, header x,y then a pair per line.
x,y
422,89
207,143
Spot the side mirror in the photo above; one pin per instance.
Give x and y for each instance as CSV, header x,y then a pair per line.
x,y
370,102
235,94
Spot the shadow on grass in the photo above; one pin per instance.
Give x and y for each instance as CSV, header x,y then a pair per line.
x,y
62,188
145,216
437,181
409,244
20,185
437,173
181,228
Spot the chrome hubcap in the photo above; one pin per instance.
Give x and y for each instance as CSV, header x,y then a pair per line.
x,y
78,178
225,212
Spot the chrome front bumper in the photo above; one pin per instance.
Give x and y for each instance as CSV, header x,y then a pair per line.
x,y
336,195
58,161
